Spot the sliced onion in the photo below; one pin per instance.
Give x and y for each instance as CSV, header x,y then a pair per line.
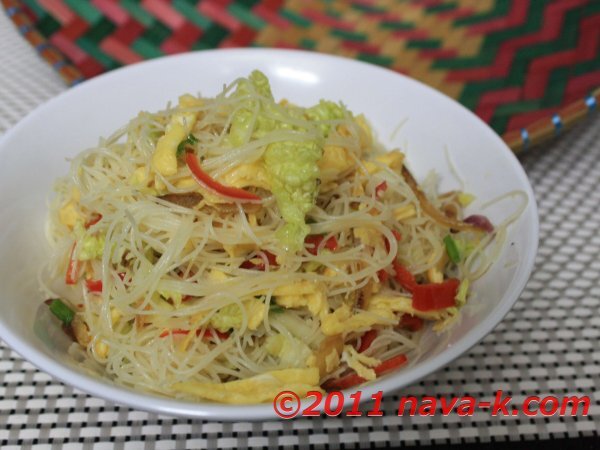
x,y
432,211
480,221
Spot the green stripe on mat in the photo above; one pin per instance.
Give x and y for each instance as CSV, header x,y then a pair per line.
x,y
557,83
91,48
375,59
157,33
501,8
349,35
247,3
191,13
246,16
85,10
146,49
504,113
35,7
295,18
373,9
308,43
212,37
397,25
442,7
586,67
424,43
139,13
100,30
518,107
471,93
48,25
591,8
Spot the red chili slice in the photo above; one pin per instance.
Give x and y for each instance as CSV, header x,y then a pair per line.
x,y
94,220
412,323
354,379
366,340
248,264
398,237
403,276
382,275
207,181
315,241
73,269
380,189
434,296
94,285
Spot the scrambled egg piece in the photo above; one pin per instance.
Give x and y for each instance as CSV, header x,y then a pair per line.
x,y
217,275
303,293
245,175
365,134
187,182
335,160
81,330
368,236
388,304
343,321
394,160
327,356
257,389
164,159
405,212
366,137
435,274
360,363
465,199
382,310
69,215
237,250
139,177
101,349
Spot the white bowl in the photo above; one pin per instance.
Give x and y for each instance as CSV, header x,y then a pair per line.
x,y
32,155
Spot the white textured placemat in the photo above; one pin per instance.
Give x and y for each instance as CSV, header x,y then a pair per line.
x,y
547,345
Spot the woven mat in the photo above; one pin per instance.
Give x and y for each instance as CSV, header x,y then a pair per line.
x,y
547,345
529,68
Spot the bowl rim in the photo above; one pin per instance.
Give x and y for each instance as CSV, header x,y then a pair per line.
x,y
121,395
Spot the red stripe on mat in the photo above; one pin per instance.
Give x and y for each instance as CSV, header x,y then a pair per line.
x,y
112,10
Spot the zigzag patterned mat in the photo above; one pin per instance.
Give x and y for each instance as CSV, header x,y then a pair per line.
x,y
529,68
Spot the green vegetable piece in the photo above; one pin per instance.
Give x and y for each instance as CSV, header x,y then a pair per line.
x,y
463,291
294,173
62,311
325,111
452,249
313,266
189,140
275,308
243,124
226,318
292,166
92,247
